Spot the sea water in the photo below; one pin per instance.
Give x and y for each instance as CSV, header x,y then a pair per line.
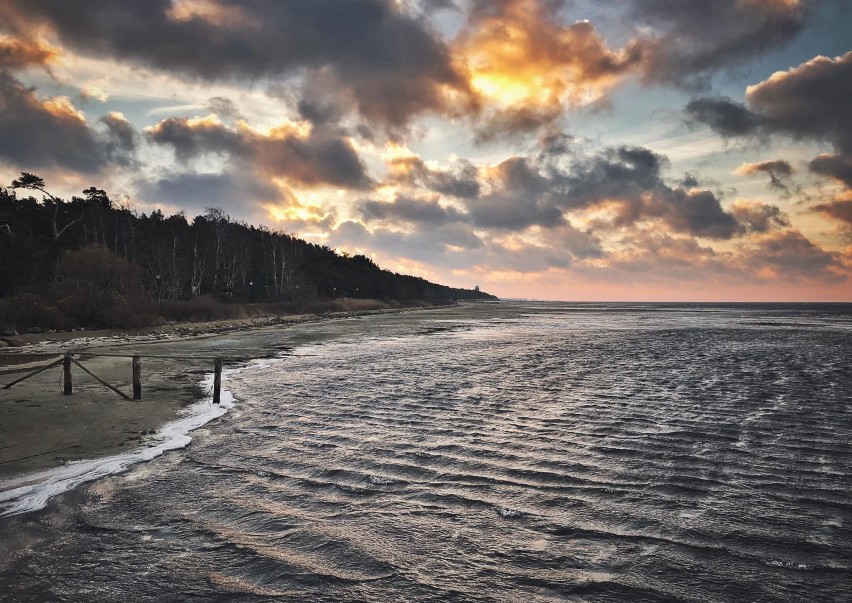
x,y
495,452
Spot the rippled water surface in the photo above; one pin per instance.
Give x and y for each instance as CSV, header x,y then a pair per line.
x,y
491,453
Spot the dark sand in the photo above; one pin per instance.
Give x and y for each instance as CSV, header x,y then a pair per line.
x,y
41,428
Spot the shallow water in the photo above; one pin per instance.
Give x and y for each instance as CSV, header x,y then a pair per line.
x,y
495,452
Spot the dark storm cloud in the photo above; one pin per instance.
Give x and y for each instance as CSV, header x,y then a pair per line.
x,y
191,138
319,111
689,181
37,134
520,197
810,101
838,167
521,193
122,139
631,178
200,191
322,157
838,209
408,209
524,192
690,40
555,144
461,180
782,254
437,245
456,246
224,107
387,61
727,117
439,5
698,213
791,254
507,124
759,217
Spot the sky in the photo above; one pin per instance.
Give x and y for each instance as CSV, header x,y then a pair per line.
x,y
631,150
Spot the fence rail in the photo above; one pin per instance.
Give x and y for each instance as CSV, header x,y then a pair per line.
x,y
68,360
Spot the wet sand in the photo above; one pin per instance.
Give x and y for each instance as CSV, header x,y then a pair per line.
x,y
41,428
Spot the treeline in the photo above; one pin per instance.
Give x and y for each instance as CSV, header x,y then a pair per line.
x,y
89,261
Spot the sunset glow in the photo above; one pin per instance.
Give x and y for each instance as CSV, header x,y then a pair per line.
x,y
536,148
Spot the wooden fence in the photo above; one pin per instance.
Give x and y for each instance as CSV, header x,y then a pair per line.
x,y
68,360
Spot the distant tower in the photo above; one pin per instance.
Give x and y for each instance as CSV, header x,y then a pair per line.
x,y
476,288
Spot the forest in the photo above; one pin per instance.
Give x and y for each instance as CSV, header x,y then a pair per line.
x,y
93,263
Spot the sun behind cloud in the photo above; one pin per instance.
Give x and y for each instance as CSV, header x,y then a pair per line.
x,y
522,57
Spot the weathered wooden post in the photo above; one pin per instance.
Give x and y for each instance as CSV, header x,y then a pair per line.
x,y
137,378
66,375
217,381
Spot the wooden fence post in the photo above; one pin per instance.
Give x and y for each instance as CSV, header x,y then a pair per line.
x,y
66,375
137,378
217,381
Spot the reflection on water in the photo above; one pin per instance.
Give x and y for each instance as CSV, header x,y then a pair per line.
x,y
543,452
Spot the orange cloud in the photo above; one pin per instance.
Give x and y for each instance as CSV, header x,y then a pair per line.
x,y
522,57
61,107
17,53
210,11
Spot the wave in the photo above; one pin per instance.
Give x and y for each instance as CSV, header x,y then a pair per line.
x,y
32,491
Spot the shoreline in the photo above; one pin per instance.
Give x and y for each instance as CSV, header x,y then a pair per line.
x,y
41,429
18,345
32,491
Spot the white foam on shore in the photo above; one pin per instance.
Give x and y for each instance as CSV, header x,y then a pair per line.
x,y
31,492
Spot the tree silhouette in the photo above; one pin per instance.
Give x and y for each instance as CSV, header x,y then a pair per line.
x,y
36,183
32,182
105,267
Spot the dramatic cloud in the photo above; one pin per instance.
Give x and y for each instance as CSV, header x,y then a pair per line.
x,y
766,258
408,209
449,244
838,167
629,179
839,209
429,134
520,197
693,39
385,61
224,108
17,53
759,217
122,139
527,64
201,191
810,101
727,117
309,158
462,180
626,183
37,133
789,254
778,171
456,246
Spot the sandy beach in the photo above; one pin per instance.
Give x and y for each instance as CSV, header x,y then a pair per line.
x,y
41,428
